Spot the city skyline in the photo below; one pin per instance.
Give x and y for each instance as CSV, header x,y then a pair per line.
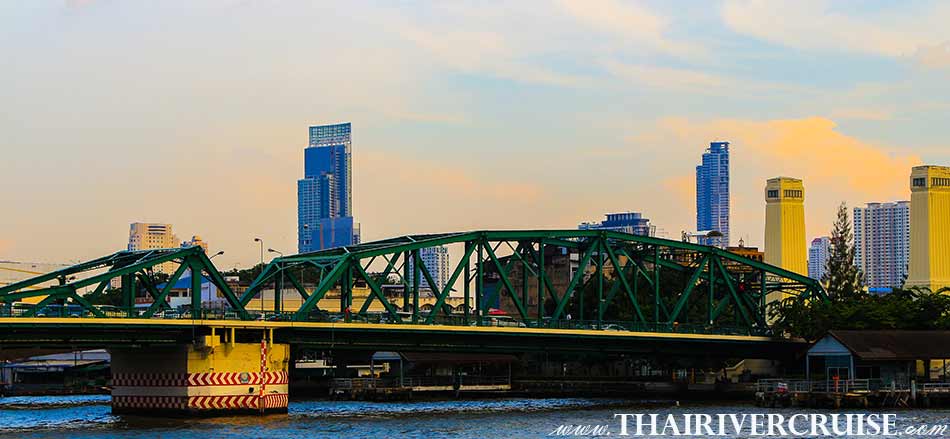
x,y
143,124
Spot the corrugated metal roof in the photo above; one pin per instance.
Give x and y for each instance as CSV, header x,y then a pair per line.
x,y
51,364
184,282
895,345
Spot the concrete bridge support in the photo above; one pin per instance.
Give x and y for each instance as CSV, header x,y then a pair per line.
x,y
204,379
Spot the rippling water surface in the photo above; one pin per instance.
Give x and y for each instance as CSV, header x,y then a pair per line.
x,y
90,417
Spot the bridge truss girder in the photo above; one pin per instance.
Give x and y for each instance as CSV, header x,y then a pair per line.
x,y
662,284
136,269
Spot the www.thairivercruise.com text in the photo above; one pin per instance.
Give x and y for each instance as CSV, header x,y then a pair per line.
x,y
755,425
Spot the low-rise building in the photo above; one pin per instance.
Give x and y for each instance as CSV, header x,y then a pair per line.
x,y
626,222
891,357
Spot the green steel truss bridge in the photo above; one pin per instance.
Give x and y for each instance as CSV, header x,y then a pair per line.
x,y
546,279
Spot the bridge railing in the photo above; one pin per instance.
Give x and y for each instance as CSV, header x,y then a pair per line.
x,y
773,385
464,380
420,381
936,387
73,311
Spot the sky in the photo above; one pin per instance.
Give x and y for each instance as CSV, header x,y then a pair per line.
x,y
466,115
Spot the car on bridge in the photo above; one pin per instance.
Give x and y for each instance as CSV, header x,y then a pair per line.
x,y
502,321
63,311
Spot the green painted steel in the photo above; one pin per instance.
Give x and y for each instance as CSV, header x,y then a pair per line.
x,y
666,285
71,296
611,280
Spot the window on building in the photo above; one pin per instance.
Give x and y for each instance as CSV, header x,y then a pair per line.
x,y
773,193
939,181
920,182
793,193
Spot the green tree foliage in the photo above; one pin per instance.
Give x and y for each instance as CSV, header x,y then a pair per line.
x,y
113,296
901,309
109,296
843,279
246,275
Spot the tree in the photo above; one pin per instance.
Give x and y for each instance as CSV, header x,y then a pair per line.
x,y
917,309
844,280
109,296
247,275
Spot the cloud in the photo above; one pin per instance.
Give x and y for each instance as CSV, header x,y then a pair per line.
x,y
535,44
826,25
484,52
698,81
935,57
633,22
79,4
404,196
862,113
664,77
413,116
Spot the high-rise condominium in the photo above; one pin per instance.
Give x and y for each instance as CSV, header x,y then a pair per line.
x,y
712,194
818,254
436,262
150,236
882,243
324,195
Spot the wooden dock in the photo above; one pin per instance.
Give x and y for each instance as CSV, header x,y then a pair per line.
x,y
861,393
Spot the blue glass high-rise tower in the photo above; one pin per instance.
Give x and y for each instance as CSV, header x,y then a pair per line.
x,y
324,194
712,194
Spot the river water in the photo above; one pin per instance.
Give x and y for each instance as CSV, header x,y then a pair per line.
x,y
90,417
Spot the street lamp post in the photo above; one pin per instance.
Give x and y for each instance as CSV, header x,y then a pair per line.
x,y
278,286
261,241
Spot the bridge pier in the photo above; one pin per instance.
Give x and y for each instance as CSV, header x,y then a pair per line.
x,y
204,379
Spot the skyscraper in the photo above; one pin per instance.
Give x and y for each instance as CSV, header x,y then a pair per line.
x,y
882,243
324,195
627,222
818,257
712,194
929,227
785,224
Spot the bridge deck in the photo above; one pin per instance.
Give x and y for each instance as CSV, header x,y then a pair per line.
x,y
38,322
